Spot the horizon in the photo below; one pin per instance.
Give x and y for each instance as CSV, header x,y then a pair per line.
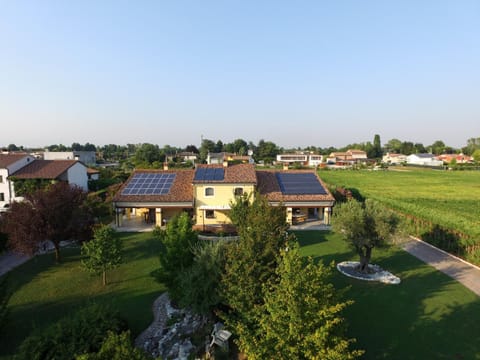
x,y
299,75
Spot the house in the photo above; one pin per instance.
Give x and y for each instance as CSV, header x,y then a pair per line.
x,y
207,192
86,157
423,160
93,174
347,158
220,158
392,158
9,164
72,171
459,158
306,159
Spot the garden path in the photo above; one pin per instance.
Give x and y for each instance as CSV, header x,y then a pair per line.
x,y
458,269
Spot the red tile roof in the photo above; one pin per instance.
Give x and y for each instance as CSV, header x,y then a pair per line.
x,y
268,186
9,159
180,191
44,169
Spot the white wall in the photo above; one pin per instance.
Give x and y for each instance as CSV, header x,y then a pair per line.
x,y
77,175
6,186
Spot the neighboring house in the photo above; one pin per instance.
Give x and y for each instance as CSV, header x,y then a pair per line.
x,y
72,171
347,158
392,158
93,174
459,158
300,158
9,164
220,158
423,160
207,192
86,157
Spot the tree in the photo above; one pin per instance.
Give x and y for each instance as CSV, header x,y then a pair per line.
x,y
103,252
377,147
266,151
147,154
438,147
206,147
393,146
364,226
192,149
56,213
200,283
476,155
302,317
251,262
177,241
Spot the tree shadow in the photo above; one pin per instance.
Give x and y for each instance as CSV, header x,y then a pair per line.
x,y
428,315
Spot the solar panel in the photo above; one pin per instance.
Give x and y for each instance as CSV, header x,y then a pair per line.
x,y
149,184
300,184
209,174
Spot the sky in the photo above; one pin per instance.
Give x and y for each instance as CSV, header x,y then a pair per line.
x,y
298,73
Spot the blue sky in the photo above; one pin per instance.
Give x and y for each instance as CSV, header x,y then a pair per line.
x,y
298,73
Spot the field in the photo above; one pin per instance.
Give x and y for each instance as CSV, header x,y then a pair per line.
x,y
448,198
427,316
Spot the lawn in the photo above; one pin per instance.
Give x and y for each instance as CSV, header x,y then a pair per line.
x,y
446,198
43,292
427,316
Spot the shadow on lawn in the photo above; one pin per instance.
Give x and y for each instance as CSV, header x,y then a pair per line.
x,y
36,317
428,315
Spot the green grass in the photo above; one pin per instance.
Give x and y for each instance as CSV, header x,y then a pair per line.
x,y
427,316
447,198
43,292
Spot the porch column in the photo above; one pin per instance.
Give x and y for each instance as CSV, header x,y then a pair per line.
x,y
118,217
289,215
158,216
326,215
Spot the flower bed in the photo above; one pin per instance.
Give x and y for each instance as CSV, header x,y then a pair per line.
x,y
375,273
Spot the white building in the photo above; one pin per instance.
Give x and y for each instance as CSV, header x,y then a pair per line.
x,y
423,160
86,157
9,164
300,158
392,158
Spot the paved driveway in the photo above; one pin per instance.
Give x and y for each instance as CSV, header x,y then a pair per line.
x,y
9,260
456,268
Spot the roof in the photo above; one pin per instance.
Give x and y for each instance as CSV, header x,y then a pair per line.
x,y
9,159
180,191
423,156
92,171
45,169
233,174
269,187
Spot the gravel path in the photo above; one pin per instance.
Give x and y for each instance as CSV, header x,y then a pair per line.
x,y
456,268
10,260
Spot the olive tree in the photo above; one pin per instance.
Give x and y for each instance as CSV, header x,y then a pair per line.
x,y
364,226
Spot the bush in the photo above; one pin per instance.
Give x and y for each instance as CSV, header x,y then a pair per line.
x,y
82,332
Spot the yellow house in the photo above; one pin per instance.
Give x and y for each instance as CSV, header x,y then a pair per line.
x,y
207,191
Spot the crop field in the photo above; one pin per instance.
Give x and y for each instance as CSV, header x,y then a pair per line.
x,y
450,199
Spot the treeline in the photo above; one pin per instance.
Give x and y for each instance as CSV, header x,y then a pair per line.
x,y
263,151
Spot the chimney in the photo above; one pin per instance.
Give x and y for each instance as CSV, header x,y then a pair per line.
x,y
225,163
165,165
285,166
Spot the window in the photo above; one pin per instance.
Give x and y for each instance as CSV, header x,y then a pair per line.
x,y
209,191
2,197
238,191
210,214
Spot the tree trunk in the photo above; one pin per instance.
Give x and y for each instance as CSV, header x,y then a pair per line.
x,y
365,259
57,252
104,278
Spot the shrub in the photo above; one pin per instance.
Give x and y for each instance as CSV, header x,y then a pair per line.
x,y
82,332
